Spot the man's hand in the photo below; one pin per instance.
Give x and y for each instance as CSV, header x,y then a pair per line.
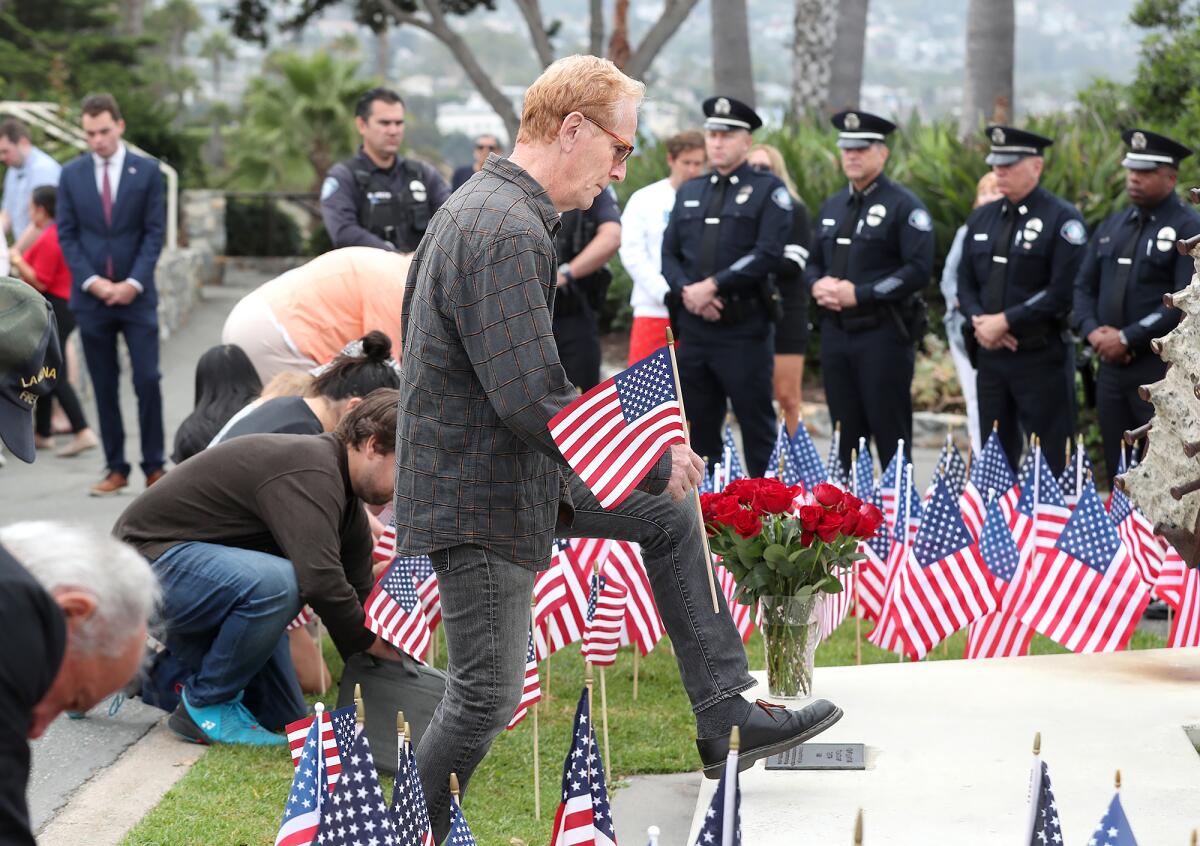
x,y
712,311
384,650
101,289
1107,342
561,280
120,293
990,330
826,291
686,471
699,295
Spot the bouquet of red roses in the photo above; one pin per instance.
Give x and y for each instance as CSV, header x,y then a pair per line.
x,y
781,540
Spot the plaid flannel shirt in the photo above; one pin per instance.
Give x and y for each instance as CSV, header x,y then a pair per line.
x,y
481,377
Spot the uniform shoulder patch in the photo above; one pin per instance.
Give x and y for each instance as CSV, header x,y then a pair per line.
x,y
782,198
920,220
328,187
1073,232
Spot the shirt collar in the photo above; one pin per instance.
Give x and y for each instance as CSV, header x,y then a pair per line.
x,y
878,182
1151,212
118,158
362,154
505,169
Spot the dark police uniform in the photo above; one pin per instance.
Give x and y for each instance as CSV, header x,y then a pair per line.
x,y
1129,265
791,332
364,205
733,228
881,239
1021,259
577,303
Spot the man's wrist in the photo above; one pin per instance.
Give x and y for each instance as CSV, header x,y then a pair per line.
x,y
564,270
1124,340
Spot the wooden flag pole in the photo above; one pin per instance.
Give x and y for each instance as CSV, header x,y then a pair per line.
x,y
587,683
708,565
856,570
546,694
858,829
729,818
537,757
360,712
603,688
635,671
321,669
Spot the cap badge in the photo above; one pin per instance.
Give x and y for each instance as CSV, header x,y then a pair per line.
x,y
997,135
1138,141
852,122
721,107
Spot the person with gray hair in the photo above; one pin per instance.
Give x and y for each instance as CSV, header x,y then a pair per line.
x,y
76,611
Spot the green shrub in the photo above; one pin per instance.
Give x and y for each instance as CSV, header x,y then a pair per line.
x,y
257,227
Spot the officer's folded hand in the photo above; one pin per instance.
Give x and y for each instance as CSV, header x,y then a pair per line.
x,y
687,469
698,295
824,291
990,330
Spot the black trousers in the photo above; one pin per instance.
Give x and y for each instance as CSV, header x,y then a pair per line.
x,y
1029,393
868,385
63,391
1118,405
717,369
578,340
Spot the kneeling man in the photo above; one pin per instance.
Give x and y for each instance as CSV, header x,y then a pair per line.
x,y
243,534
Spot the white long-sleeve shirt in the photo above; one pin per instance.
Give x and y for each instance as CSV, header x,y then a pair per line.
x,y
642,224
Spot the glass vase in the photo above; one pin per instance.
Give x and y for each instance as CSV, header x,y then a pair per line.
x,y
791,630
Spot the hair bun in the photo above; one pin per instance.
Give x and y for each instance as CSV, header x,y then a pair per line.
x,y
376,346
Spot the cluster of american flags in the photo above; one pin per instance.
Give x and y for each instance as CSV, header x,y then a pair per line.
x,y
1003,555
1045,827
336,799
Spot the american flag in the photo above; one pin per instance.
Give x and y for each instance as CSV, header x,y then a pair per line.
x,y
951,465
531,693
1138,536
460,833
612,435
835,606
355,811
1087,595
712,832
409,812
1077,471
584,815
708,484
1113,828
807,459
864,471
871,573
643,626
1000,633
890,483
1185,629
305,617
789,473
989,472
302,812
1172,579
878,575
604,619
394,611
297,735
560,597
943,584
743,615
385,547
1044,826
731,463
836,473
345,729
427,588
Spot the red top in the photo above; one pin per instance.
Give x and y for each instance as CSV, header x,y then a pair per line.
x,y
46,259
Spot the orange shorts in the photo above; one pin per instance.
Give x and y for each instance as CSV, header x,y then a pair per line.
x,y
647,335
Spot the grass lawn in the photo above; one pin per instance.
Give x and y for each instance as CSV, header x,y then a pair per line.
x,y
235,795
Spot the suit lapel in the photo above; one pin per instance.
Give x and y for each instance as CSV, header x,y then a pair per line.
x,y
129,176
88,173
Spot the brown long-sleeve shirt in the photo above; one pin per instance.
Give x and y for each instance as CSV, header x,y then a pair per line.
x,y
286,495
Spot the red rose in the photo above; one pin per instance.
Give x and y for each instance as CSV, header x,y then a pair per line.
x,y
870,519
706,505
774,497
807,538
830,526
810,517
743,489
725,509
850,521
852,502
747,524
828,495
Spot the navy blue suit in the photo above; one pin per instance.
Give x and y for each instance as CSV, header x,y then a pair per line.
x,y
131,244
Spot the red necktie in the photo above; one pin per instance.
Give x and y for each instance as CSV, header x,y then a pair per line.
x,y
106,202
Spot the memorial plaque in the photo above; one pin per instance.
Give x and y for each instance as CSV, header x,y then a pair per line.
x,y
821,756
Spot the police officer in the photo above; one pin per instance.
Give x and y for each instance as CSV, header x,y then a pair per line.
x,y
586,240
377,198
725,237
1129,264
1020,257
872,256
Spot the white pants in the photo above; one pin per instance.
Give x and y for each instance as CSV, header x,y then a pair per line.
x,y
253,327
966,379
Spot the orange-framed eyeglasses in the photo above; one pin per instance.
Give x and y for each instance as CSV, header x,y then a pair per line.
x,y
623,149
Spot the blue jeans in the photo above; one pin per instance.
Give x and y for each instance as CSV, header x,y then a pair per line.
x,y
224,617
485,608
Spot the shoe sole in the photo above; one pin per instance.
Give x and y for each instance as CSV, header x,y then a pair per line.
x,y
186,730
96,493
748,757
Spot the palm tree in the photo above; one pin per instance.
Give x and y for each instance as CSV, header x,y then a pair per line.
x,y
815,30
988,93
217,48
845,83
296,122
171,24
733,74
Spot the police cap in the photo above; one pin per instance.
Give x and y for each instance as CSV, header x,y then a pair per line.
x,y
1010,145
860,129
1149,150
726,113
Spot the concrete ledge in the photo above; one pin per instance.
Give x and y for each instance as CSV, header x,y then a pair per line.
x,y
949,751
103,811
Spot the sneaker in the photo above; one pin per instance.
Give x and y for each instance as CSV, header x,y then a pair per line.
x,y
226,722
84,440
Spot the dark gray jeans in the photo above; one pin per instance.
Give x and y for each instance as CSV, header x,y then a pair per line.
x,y
485,608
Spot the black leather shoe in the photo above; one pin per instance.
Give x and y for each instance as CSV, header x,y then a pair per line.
x,y
769,729
1156,610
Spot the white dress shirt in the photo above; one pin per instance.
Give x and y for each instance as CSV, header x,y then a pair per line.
x,y
116,166
642,224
